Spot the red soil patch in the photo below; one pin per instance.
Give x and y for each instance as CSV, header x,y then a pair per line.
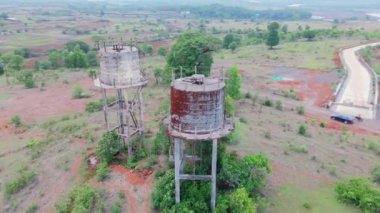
x,y
33,104
337,60
161,43
309,85
135,178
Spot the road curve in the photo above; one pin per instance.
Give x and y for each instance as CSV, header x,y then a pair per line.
x,y
354,98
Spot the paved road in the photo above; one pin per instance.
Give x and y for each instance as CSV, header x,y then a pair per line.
x,y
355,96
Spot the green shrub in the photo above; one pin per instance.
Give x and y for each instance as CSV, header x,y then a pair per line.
x,y
297,148
24,177
116,207
78,92
374,147
102,171
161,142
307,205
361,193
94,106
268,134
302,130
267,102
322,125
32,209
376,174
248,95
107,147
279,105
230,106
16,120
164,192
300,110
82,199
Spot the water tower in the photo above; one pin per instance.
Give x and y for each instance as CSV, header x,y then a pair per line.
x,y
121,77
197,115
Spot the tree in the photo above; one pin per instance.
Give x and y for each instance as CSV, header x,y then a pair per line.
x,y
76,58
12,62
70,46
107,147
233,46
148,49
241,202
192,49
23,52
273,39
309,34
230,39
234,82
161,51
284,28
157,74
55,58
92,59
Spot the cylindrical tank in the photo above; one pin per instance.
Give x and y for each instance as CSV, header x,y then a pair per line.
x,y
119,66
197,105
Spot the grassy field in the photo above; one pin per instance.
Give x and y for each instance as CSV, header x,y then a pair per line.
x,y
290,199
310,55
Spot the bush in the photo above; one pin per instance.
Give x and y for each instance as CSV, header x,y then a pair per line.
x,y
376,174
279,105
267,102
94,106
297,148
300,110
161,141
107,147
361,193
102,171
25,177
249,172
32,209
322,125
164,192
230,106
16,120
374,147
82,199
78,93
302,130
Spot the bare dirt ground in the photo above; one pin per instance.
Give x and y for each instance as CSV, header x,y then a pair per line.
x,y
34,104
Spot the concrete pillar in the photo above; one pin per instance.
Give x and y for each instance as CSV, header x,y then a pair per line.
x,y
213,173
177,167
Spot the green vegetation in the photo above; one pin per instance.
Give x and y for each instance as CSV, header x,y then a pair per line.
x,y
192,52
161,142
233,83
230,106
16,120
23,52
267,102
376,174
302,130
107,147
83,198
278,105
273,38
102,171
374,147
299,148
236,201
360,192
300,110
161,51
24,177
228,12
78,92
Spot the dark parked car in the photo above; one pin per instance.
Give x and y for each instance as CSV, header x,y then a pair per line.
x,y
343,118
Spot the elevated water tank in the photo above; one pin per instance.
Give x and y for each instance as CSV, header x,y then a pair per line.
x,y
120,67
197,105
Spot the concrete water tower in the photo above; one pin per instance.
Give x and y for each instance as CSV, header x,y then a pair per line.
x,y
197,115
120,74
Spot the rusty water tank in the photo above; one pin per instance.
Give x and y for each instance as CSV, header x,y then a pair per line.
x,y
120,67
197,105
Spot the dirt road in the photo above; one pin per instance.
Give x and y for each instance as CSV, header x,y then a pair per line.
x,y
355,98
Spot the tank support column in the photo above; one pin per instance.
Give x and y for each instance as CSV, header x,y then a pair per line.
x,y
177,165
213,173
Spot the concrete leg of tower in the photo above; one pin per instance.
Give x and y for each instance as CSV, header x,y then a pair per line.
x,y
177,165
213,173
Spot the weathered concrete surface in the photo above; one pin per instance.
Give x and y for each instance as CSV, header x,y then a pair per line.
x,y
356,97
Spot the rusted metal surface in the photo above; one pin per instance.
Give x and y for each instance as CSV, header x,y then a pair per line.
x,y
197,107
119,68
